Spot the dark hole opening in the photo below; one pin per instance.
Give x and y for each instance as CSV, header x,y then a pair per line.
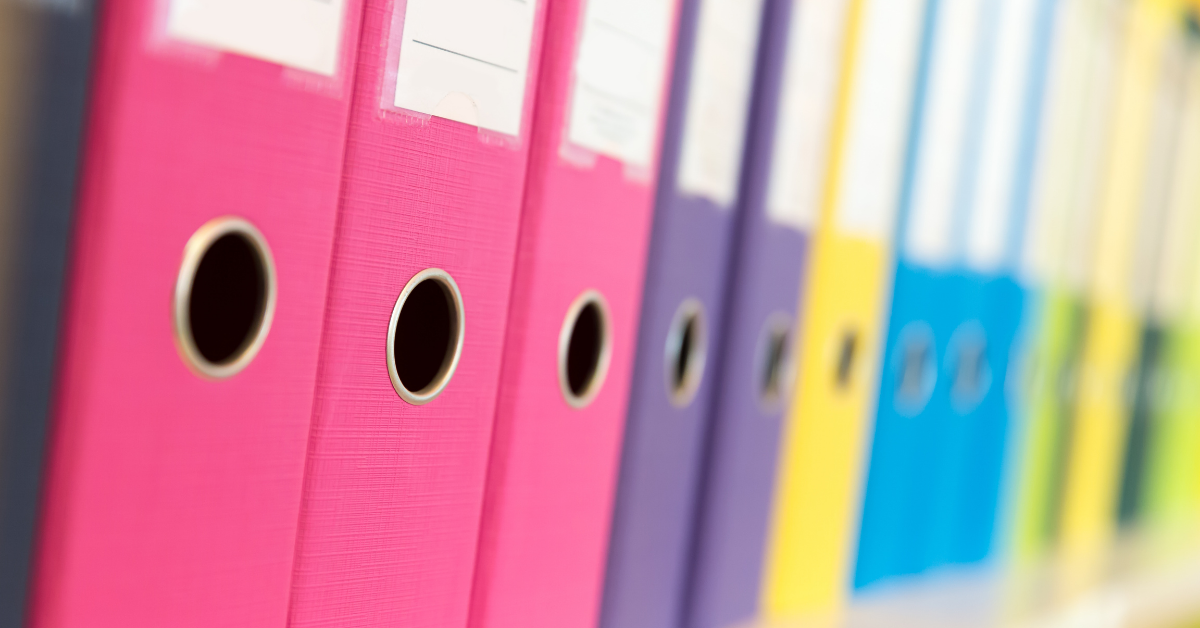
x,y
583,349
425,335
683,355
845,362
772,380
912,370
969,377
228,298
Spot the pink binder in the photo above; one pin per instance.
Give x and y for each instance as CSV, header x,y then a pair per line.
x,y
418,301
196,294
572,326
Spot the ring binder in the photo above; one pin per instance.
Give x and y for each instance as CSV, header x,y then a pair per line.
x,y
436,160
819,479
425,336
564,386
677,376
1170,493
1055,237
1112,339
174,498
799,61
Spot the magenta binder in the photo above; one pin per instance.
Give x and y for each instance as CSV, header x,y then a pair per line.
x,y
210,179
576,298
418,298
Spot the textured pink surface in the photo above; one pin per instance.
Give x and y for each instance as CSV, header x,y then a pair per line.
x,y
393,494
172,500
553,468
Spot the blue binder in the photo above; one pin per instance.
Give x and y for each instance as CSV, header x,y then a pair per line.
x,y
942,413
952,435
982,404
893,537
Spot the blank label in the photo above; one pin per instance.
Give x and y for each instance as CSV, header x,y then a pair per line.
x,y
814,61
466,60
990,230
929,234
718,99
303,34
620,72
877,127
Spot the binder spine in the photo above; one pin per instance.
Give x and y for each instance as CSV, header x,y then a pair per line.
x,y
551,479
895,533
1011,302
411,354
667,422
172,498
764,298
821,472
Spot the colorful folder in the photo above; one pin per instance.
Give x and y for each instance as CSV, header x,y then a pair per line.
x,y
810,549
1172,476
197,290
1153,209
440,134
798,68
933,498
1111,340
911,473
982,375
1057,241
683,314
45,50
576,296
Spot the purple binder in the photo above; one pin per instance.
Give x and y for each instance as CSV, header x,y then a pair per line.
x,y
673,383
761,318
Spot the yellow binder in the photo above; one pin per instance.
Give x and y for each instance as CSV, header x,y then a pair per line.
x,y
1173,474
823,445
1111,343
1056,212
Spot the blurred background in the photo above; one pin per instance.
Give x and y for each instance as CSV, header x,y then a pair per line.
x,y
984,387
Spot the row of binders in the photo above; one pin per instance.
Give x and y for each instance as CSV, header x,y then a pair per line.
x,y
585,313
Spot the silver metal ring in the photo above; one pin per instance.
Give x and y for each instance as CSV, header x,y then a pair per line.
x,y
453,352
193,253
691,310
589,297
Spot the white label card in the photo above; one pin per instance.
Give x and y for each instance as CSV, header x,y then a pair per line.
x,y
467,60
877,127
989,231
800,151
620,78
1056,164
929,232
303,34
722,75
